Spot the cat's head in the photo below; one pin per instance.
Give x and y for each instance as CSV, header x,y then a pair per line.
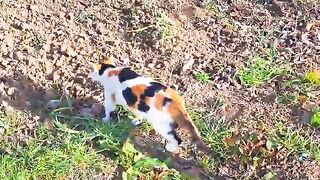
x,y
97,70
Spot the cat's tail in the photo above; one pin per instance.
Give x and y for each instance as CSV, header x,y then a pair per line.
x,y
185,122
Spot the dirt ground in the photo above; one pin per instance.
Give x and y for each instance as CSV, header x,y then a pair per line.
x,y
46,47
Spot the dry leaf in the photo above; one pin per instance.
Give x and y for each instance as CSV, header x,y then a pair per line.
x,y
96,109
85,112
308,106
309,26
233,139
188,65
302,98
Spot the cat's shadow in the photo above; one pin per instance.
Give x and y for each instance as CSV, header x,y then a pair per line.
x,y
109,138
180,160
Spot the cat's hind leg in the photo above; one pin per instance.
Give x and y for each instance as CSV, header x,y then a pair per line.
x,y
168,131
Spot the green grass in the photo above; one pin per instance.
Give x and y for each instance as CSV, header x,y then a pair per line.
x,y
8,122
213,133
259,71
77,148
167,27
262,68
315,120
39,42
306,84
223,17
295,140
84,16
313,77
202,77
49,157
138,165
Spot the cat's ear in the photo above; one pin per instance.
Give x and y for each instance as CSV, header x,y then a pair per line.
x,y
109,61
94,66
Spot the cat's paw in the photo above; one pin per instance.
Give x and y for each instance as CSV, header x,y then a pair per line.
x,y
136,122
172,146
106,119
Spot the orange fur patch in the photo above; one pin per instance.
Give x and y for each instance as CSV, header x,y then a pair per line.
x,y
175,110
159,101
113,98
113,73
175,97
137,90
177,106
147,100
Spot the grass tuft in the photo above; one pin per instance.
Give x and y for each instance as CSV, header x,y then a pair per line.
x,y
167,27
84,17
315,120
39,42
313,77
140,166
49,157
202,77
296,141
259,71
213,133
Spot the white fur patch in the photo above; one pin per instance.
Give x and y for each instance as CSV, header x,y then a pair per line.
x,y
160,120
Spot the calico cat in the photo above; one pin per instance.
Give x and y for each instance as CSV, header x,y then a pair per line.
x,y
148,99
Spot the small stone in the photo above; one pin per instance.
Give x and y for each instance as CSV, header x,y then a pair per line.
x,y
18,55
25,26
101,28
71,52
33,7
53,104
151,65
304,157
10,91
36,118
55,76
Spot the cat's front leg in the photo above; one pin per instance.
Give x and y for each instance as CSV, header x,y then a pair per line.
x,y
109,106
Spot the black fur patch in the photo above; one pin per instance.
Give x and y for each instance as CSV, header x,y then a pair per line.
x,y
142,97
113,114
130,98
176,137
153,88
166,100
127,74
142,106
104,67
174,125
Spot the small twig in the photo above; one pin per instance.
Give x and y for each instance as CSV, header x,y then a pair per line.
x,y
141,29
